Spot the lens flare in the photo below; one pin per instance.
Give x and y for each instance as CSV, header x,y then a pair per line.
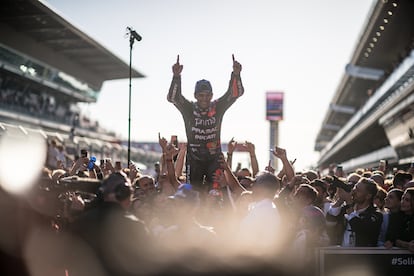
x,y
21,161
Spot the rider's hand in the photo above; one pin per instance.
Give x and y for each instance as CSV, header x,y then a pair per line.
x,y
177,68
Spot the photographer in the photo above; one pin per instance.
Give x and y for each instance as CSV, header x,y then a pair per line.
x,y
335,214
362,220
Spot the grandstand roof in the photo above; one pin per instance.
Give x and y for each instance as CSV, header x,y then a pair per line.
x,y
385,40
35,29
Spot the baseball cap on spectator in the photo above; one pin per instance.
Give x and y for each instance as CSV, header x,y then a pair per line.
x,y
185,192
203,86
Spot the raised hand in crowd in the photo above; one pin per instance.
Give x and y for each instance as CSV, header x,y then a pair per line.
x,y
133,172
269,167
179,163
252,152
231,179
287,165
169,151
109,168
96,172
162,142
231,146
80,165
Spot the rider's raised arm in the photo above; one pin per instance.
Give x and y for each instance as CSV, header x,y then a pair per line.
x,y
174,93
235,89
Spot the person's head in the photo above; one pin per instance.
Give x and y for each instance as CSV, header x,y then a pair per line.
x,y
377,177
407,201
367,174
322,189
379,172
400,179
364,191
203,93
353,178
379,199
305,195
141,207
310,174
320,186
60,147
116,187
146,183
388,184
393,200
246,181
185,202
359,171
343,188
243,172
409,184
265,185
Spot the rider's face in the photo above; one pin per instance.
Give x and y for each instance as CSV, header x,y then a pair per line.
x,y
203,99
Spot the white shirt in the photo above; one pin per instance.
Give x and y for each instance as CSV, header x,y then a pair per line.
x,y
347,241
260,229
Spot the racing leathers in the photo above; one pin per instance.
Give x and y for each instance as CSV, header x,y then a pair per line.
x,y
203,129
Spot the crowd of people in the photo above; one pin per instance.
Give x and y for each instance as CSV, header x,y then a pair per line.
x,y
34,103
197,214
39,103
116,220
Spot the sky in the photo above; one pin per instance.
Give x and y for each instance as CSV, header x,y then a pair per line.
x,y
298,47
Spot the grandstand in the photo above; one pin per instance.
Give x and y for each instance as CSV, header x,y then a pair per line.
x,y
371,114
47,67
